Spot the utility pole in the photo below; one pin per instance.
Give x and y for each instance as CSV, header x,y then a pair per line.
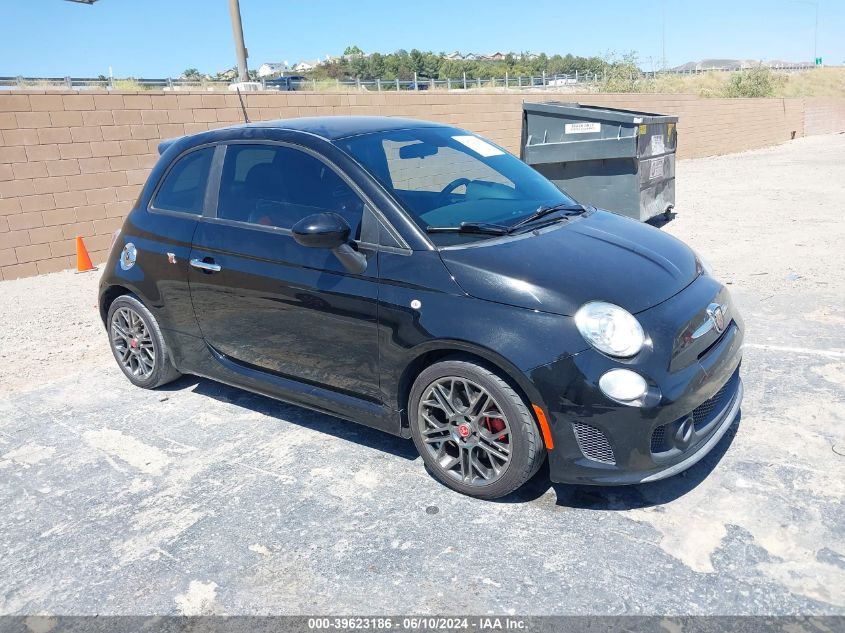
x,y
238,32
663,35
814,3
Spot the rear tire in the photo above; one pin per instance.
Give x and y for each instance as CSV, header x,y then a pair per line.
x,y
137,344
474,432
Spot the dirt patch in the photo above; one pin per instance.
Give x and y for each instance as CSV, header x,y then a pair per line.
x,y
769,220
50,328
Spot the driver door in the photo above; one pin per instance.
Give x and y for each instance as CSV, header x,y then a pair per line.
x,y
266,302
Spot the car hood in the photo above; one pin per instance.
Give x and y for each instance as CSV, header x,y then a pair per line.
x,y
597,257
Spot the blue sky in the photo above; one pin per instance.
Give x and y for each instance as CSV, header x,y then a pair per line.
x,y
157,38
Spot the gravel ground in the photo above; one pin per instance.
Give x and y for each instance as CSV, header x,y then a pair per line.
x,y
201,498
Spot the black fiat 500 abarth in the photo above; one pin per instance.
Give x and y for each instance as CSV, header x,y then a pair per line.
x,y
418,279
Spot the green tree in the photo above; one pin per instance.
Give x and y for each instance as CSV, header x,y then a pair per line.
x,y
416,59
621,75
760,81
376,66
403,64
540,63
358,66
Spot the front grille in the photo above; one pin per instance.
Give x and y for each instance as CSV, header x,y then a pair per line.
x,y
701,414
593,443
659,440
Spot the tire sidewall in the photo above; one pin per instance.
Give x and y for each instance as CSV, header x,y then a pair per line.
x,y
515,474
161,364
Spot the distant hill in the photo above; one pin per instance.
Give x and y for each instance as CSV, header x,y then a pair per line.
x,y
736,64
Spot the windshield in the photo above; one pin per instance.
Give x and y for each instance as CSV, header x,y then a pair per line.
x,y
445,177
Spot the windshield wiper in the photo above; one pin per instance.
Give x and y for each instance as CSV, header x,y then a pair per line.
x,y
489,228
471,227
565,209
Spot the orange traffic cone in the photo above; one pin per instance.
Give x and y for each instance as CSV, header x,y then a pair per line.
x,y
83,261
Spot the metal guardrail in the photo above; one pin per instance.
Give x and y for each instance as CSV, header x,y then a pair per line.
x,y
520,82
99,83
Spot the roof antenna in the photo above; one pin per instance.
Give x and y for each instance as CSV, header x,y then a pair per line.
x,y
243,107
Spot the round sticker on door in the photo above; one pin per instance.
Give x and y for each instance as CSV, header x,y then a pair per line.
x,y
128,256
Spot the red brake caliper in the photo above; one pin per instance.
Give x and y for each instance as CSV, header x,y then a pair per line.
x,y
495,425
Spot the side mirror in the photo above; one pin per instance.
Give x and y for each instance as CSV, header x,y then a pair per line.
x,y
321,230
330,230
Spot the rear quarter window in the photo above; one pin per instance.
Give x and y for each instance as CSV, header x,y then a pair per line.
x,y
183,187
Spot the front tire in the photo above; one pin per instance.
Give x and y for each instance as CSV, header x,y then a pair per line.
x,y
473,430
137,344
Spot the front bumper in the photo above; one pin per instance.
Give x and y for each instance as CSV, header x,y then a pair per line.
x,y
720,426
599,441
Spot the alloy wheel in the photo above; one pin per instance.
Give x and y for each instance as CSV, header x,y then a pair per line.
x,y
465,431
133,343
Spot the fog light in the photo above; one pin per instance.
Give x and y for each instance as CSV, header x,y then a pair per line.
x,y
623,385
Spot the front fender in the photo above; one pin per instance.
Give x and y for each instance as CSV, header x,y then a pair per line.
x,y
440,348
514,340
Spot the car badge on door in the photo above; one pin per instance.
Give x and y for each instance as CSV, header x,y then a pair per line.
x,y
171,258
716,312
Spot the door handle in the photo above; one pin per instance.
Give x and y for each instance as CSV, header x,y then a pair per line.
x,y
206,266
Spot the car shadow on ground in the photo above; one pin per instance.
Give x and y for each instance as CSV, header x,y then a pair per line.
x,y
568,495
316,421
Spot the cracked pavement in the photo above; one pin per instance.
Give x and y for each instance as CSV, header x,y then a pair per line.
x,y
199,498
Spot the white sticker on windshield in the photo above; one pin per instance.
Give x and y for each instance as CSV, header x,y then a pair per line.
x,y
480,146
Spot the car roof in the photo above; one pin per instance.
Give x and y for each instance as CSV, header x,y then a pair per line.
x,y
330,128
337,127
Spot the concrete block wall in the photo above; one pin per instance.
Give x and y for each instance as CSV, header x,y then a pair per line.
x,y
824,115
72,163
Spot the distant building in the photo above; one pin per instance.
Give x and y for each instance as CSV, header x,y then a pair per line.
x,y
492,57
735,64
305,66
271,69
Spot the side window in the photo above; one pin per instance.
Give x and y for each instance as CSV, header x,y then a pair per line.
x,y
183,188
273,185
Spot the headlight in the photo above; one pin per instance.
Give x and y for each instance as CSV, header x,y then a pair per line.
x,y
610,329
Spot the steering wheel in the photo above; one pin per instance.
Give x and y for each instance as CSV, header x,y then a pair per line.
x,y
457,182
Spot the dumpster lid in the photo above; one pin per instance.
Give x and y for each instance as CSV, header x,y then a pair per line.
x,y
616,115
